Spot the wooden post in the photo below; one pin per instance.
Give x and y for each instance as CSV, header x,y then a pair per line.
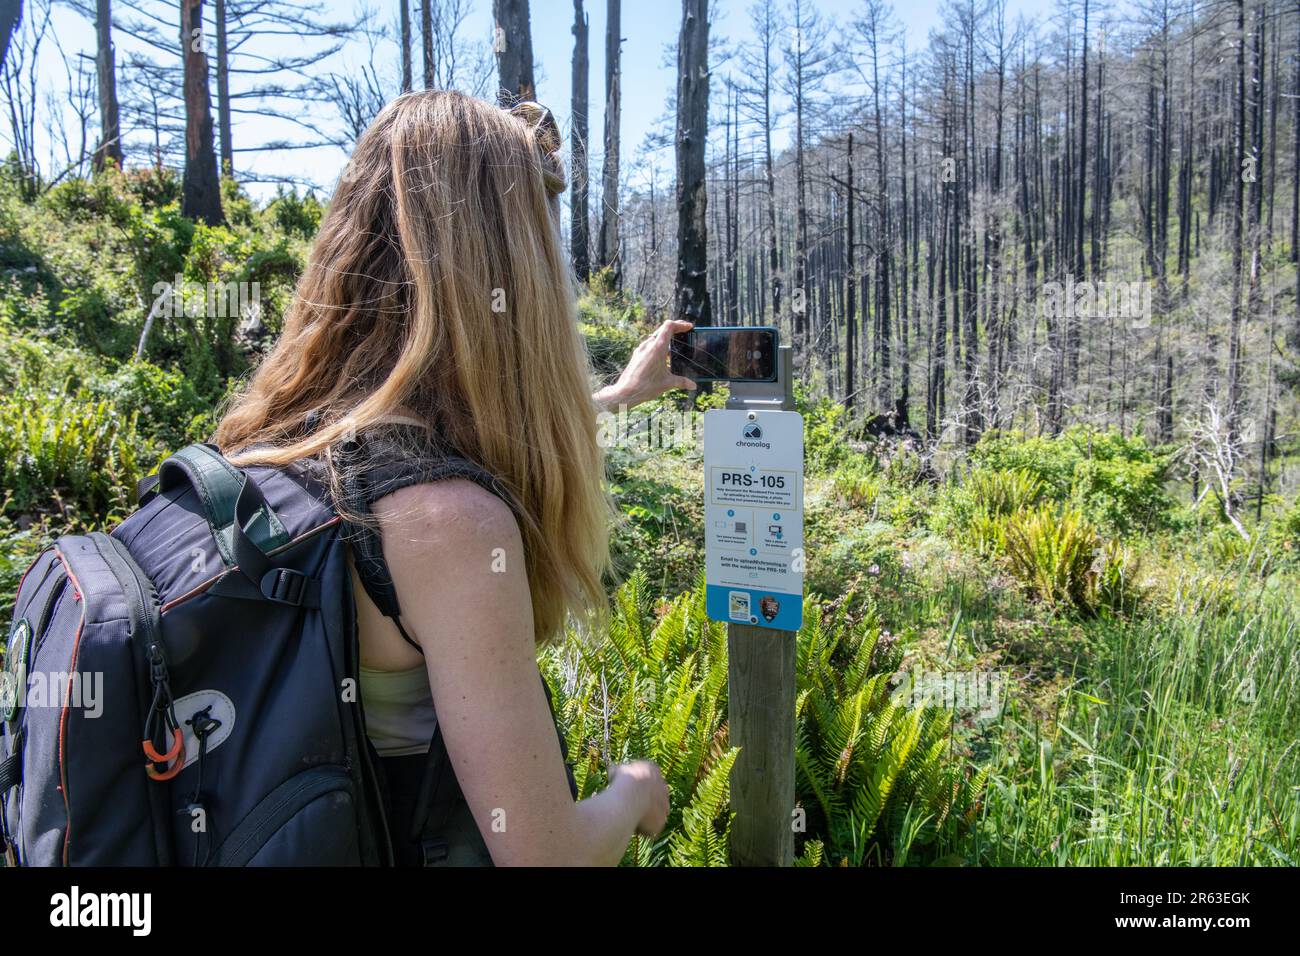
x,y
760,709
760,698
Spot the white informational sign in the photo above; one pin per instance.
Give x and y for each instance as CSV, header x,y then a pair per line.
x,y
753,517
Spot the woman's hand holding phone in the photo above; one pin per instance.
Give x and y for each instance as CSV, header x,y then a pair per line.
x,y
647,375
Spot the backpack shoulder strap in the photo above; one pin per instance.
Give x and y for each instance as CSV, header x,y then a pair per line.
x,y
218,485
378,469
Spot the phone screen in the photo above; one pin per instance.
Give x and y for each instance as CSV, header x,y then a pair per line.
x,y
726,354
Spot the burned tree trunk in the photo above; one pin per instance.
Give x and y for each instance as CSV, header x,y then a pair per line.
x,y
200,184
731,189
513,45
851,282
607,257
1237,233
580,241
691,293
426,38
110,138
406,45
223,91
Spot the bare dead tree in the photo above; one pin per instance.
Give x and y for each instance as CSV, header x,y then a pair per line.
x,y
11,13
68,124
256,72
691,299
19,85
579,222
360,94
607,256
110,138
1215,451
201,183
513,45
451,60
405,31
428,37
758,63
810,59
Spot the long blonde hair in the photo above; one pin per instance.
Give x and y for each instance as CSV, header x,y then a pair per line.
x,y
437,287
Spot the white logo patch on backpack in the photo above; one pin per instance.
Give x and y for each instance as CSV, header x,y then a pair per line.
x,y
219,707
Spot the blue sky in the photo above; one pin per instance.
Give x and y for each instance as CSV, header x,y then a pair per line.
x,y
649,26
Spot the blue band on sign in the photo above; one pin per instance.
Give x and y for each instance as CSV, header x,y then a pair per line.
x,y
782,612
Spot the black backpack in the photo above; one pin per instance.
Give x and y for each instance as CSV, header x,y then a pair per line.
x,y
184,690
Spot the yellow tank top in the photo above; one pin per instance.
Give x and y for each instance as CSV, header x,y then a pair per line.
x,y
400,719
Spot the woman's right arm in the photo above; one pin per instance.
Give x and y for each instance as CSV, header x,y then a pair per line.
x,y
457,561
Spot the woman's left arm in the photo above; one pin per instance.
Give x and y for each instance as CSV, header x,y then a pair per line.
x,y
647,375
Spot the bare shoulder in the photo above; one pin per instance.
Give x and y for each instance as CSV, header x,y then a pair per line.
x,y
457,560
455,514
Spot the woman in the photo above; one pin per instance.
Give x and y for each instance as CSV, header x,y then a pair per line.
x,y
437,311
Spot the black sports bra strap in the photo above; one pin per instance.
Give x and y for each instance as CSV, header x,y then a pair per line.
x,y
373,468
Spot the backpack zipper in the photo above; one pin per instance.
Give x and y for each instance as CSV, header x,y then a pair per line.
x,y
146,621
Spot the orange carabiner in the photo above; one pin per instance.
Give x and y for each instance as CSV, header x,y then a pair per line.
x,y
178,746
175,756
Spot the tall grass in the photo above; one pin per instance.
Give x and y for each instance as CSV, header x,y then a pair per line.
x,y
1177,746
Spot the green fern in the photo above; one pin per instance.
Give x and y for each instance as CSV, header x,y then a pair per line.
x,y
699,841
871,775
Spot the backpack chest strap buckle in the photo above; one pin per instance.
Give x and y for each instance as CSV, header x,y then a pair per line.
x,y
287,586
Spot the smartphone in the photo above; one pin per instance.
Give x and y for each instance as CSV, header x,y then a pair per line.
x,y
725,354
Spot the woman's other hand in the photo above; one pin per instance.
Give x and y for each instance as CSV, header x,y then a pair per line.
x,y
647,375
643,780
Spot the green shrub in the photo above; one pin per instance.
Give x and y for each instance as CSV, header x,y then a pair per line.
x,y
611,325
825,439
29,362
662,526
19,546
1116,481
857,483
1117,585
1225,545
90,313
903,465
154,186
238,206
985,534
610,347
69,454
1283,532
1002,493
973,509
295,215
83,199
653,690
162,401
1052,552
